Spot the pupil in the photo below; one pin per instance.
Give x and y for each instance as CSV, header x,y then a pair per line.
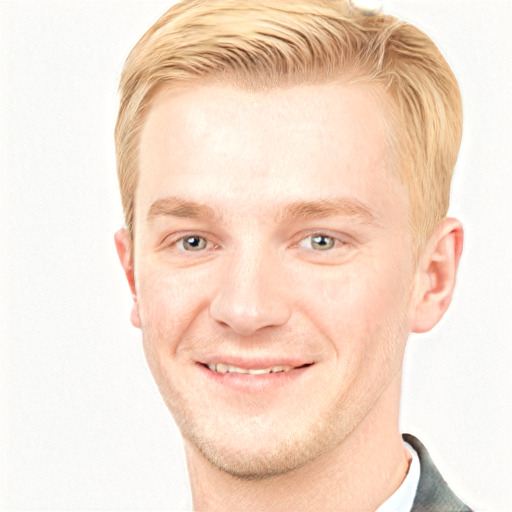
x,y
194,242
323,242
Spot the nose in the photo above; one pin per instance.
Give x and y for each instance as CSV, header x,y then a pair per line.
x,y
251,295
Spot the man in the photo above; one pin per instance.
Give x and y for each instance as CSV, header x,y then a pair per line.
x,y
285,171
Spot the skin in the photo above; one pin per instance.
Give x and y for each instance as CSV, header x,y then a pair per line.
x,y
271,228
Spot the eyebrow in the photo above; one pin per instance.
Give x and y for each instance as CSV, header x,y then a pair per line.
x,y
345,207
177,207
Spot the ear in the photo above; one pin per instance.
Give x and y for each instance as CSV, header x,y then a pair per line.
x,y
124,251
436,274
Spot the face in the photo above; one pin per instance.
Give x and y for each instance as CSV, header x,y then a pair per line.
x,y
273,268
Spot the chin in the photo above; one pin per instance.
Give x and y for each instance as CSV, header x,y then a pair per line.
x,y
256,464
252,452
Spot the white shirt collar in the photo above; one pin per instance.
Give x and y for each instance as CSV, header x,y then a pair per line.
x,y
403,498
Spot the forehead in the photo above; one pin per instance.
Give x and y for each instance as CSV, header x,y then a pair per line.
x,y
228,147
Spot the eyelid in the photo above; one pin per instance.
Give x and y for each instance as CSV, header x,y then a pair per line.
x,y
311,237
338,244
341,240
173,239
344,249
338,237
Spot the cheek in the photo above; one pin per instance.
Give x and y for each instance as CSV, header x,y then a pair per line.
x,y
360,308
168,301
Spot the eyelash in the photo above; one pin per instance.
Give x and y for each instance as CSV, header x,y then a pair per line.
x,y
337,242
174,242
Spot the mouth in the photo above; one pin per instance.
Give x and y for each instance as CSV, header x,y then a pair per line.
x,y
228,368
252,376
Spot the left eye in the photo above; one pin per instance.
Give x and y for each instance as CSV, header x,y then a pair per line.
x,y
318,242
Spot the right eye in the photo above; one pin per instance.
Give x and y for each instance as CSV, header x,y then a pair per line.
x,y
191,243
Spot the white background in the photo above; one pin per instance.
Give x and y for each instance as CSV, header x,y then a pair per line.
x,y
82,425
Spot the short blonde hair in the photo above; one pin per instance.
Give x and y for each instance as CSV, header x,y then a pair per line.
x,y
259,44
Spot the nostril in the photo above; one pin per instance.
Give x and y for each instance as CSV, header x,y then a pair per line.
x,y
221,323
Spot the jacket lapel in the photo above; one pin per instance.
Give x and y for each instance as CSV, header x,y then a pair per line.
x,y
433,494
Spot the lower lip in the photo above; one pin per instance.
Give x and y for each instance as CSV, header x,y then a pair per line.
x,y
248,383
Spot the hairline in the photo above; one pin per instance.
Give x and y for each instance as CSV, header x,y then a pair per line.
x,y
388,112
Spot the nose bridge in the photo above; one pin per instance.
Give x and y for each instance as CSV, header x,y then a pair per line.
x,y
249,295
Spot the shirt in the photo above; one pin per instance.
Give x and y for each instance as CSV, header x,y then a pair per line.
x,y
403,498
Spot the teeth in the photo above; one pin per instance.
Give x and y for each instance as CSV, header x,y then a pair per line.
x,y
259,372
227,368
222,368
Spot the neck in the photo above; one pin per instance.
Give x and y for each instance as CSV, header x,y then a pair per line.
x,y
360,473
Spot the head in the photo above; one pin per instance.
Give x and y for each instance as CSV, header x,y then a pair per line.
x,y
285,176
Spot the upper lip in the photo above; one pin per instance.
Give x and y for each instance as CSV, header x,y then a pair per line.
x,y
247,363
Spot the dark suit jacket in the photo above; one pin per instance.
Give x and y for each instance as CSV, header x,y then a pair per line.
x,y
433,494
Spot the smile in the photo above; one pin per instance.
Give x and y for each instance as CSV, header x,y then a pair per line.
x,y
227,368
253,376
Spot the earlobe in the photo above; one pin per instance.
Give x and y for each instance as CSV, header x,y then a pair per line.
x,y
124,251
436,275
134,315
